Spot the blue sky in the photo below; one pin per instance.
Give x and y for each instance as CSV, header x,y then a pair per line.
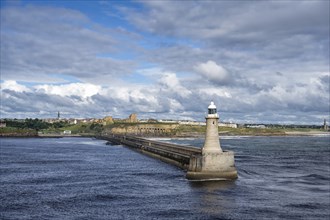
x,y
259,61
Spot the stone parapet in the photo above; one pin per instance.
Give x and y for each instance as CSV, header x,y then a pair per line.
x,y
212,166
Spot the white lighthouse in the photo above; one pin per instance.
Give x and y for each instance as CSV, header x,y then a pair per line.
x,y
212,143
213,163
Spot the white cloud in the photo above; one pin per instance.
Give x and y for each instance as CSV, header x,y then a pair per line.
x,y
171,82
166,101
212,71
211,91
83,90
14,86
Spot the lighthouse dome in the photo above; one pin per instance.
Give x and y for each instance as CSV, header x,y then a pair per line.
x,y
212,106
212,109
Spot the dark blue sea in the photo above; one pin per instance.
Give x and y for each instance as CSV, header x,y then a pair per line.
x,y
83,178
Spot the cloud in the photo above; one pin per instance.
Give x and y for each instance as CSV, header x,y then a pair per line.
x,y
237,21
170,83
14,86
171,99
258,61
245,37
38,42
83,90
212,71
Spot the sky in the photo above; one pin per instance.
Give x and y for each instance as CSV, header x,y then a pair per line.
x,y
259,61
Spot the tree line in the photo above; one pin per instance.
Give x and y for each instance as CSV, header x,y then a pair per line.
x,y
36,124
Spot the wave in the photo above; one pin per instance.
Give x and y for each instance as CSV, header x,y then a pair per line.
x,y
314,177
233,137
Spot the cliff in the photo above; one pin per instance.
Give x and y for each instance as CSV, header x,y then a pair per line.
x,y
152,129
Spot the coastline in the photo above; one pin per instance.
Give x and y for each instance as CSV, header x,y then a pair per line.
x,y
181,135
42,136
283,134
305,133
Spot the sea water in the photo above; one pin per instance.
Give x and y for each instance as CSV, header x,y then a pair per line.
x,y
83,178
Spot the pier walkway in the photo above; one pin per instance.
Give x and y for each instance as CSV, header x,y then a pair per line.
x,y
189,158
177,155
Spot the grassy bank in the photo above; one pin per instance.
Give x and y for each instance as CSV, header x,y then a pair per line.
x,y
92,129
17,132
190,130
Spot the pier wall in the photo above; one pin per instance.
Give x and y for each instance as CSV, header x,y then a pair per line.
x,y
177,155
199,165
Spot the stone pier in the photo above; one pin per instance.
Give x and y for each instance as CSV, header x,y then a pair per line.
x,y
207,163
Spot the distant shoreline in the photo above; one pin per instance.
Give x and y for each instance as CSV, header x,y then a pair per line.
x,y
307,133
42,136
221,134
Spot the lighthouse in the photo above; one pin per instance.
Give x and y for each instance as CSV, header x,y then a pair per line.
x,y
212,143
214,163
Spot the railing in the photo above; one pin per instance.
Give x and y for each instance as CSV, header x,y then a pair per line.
x,y
175,148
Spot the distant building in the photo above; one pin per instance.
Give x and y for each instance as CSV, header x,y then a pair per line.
x,y
73,121
229,125
168,121
132,118
192,123
108,120
152,120
256,126
325,125
197,123
49,120
67,132
3,124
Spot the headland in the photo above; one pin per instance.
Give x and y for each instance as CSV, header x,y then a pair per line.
x,y
147,128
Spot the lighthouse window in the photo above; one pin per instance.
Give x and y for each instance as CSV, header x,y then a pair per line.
x,y
212,111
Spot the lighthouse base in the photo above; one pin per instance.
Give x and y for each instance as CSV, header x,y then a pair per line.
x,y
211,176
212,166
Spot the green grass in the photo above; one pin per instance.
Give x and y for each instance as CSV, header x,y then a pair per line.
x,y
253,131
18,131
11,130
94,129
75,129
191,129
237,131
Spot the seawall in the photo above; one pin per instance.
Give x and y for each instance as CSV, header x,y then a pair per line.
x,y
199,166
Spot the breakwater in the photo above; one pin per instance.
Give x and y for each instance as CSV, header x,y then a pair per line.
x,y
198,164
174,154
